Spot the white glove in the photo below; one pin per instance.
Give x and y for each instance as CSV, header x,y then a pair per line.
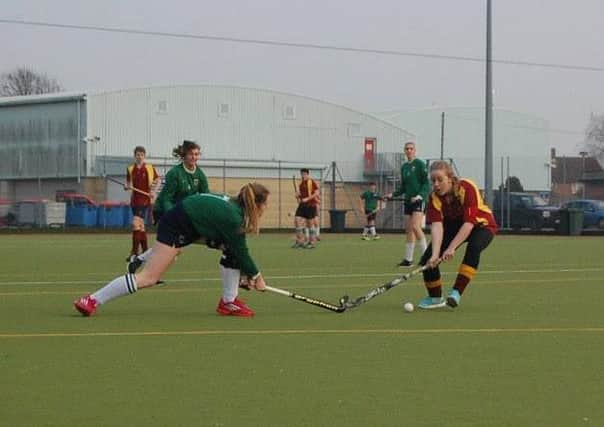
x,y
416,198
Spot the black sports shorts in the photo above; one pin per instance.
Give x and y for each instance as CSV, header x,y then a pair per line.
x,y
175,228
306,211
411,207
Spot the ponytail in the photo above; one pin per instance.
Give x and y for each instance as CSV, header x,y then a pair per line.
x,y
250,197
181,150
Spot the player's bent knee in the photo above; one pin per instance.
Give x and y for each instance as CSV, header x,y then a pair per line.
x,y
145,279
138,224
228,261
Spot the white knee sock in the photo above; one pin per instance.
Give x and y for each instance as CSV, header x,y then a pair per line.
x,y
300,234
372,230
145,255
409,247
118,287
423,245
230,283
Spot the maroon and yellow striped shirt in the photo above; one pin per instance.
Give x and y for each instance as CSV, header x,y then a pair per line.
x,y
466,205
307,188
141,178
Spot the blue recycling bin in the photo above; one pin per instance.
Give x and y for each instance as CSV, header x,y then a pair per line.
x,y
126,215
81,215
109,214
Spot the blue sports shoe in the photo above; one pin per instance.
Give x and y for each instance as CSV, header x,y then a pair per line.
x,y
454,298
429,303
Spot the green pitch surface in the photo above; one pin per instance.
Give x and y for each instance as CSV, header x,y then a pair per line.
x,y
525,348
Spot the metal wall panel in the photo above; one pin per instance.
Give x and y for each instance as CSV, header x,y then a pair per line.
x,y
235,123
41,139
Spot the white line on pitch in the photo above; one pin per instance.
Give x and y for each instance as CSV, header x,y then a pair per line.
x,y
305,332
307,276
201,288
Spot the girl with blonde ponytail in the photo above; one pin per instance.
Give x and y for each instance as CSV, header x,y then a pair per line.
x,y
252,198
219,220
457,214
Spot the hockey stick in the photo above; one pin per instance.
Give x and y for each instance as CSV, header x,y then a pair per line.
x,y
308,300
376,210
345,300
295,187
381,206
108,178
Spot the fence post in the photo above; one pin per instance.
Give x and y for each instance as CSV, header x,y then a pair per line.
x,y
224,176
279,191
333,185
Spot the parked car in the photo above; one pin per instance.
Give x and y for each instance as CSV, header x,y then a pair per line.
x,y
593,211
526,211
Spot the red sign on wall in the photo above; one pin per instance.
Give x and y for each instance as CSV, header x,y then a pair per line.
x,y
369,154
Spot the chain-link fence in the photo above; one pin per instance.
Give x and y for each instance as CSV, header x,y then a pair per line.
x,y
100,201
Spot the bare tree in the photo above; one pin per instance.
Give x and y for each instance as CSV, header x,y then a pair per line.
x,y
24,81
512,183
594,136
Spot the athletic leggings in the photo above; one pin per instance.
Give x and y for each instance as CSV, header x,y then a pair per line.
x,y
477,241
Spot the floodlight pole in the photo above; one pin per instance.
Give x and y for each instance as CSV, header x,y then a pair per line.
x,y
442,135
488,145
583,154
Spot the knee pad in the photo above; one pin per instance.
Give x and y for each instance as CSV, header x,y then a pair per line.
x,y
228,261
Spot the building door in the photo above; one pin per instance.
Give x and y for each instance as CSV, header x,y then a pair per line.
x,y
369,155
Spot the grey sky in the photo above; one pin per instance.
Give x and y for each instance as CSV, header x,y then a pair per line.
x,y
544,31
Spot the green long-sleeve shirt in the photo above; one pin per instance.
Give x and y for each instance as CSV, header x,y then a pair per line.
x,y
414,180
180,183
220,219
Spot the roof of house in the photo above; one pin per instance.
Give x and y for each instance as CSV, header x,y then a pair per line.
x,y
572,169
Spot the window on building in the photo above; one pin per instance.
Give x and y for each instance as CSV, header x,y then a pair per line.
x,y
354,129
289,113
162,106
224,110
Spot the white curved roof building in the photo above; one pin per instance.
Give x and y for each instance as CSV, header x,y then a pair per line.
x,y
522,138
239,124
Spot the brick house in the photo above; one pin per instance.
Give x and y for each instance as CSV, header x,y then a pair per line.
x,y
579,177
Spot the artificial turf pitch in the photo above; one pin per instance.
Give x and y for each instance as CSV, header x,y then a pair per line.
x,y
525,348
